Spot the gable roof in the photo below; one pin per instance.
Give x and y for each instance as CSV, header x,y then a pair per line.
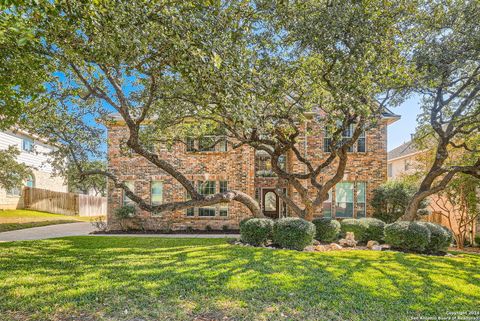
x,y
403,150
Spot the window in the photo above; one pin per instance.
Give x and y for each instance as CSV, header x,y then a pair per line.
x,y
131,186
207,187
15,191
206,211
270,202
189,211
156,192
327,206
361,199
27,145
263,164
347,134
30,182
190,142
223,186
390,170
361,143
344,200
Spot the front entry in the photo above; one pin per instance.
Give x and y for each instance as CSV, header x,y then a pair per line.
x,y
270,203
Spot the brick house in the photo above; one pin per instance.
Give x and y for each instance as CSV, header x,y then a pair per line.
x,y
214,169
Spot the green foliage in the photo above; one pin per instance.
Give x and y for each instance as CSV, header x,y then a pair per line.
x,y
405,235
327,229
125,211
256,231
391,199
244,221
12,173
375,229
358,227
86,184
293,233
440,237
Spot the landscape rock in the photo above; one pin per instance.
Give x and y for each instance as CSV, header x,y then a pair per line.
x,y
335,246
377,248
371,244
348,241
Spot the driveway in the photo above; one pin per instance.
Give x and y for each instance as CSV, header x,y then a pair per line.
x,y
79,229
47,232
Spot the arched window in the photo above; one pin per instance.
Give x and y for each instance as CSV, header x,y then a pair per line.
x,y
270,201
30,182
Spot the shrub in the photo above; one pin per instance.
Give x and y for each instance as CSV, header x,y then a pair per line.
x,y
440,237
243,222
256,231
374,230
126,211
477,240
390,200
412,236
293,233
327,229
358,227
208,228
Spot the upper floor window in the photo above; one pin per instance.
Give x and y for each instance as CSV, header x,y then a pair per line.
x,y
360,146
27,145
263,164
207,144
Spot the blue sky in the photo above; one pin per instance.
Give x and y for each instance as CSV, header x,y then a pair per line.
x,y
399,132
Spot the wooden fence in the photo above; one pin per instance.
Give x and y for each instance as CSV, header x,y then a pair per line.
x,y
64,203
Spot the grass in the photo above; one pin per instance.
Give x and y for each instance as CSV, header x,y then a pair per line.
x,y
129,278
11,220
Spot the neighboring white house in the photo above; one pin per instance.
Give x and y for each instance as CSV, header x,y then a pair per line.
x,y
403,160
35,154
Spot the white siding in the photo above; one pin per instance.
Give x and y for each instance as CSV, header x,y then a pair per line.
x,y
38,159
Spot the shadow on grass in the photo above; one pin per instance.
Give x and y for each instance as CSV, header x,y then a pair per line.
x,y
177,279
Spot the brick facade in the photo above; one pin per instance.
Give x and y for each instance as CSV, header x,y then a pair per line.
x,y
237,167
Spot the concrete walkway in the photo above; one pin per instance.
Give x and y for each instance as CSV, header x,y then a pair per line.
x,y
79,229
47,232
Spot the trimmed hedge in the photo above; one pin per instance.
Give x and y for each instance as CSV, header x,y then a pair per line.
x,y
256,231
293,233
374,230
243,222
358,227
440,238
412,236
327,229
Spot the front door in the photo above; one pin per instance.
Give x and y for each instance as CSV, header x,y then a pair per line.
x,y
270,203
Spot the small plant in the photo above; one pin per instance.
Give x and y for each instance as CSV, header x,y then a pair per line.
x,y
358,227
477,240
327,229
374,230
244,221
189,229
124,213
293,233
256,231
99,223
412,236
208,228
440,238
225,228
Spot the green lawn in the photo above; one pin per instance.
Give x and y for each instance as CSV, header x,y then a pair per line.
x,y
128,278
19,219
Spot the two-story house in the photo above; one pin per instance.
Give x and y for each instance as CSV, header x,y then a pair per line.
x,y
34,152
217,168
